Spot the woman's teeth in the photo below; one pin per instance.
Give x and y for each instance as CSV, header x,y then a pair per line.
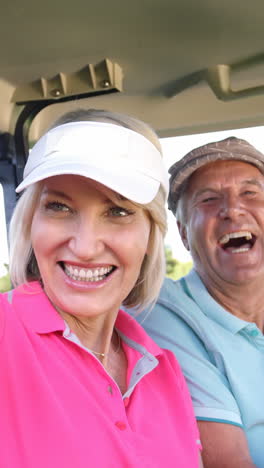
x,y
87,274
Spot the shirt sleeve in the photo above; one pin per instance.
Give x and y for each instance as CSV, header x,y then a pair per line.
x,y
209,388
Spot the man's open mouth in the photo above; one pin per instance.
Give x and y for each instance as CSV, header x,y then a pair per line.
x,y
87,274
236,242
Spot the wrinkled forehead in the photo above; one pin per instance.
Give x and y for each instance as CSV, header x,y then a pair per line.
x,y
217,172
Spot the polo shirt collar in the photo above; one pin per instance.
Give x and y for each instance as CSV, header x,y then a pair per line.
x,y
132,330
210,307
38,314
35,309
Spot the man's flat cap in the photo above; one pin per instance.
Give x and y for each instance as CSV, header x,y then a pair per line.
x,y
231,148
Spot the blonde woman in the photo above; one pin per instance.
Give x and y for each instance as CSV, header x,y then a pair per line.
x,y
82,385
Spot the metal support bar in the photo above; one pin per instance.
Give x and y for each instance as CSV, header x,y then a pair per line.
x,y
7,179
7,173
23,122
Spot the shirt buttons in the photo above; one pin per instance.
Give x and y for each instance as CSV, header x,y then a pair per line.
x,y
254,332
126,401
121,425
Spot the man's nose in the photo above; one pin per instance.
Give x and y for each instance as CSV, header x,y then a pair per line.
x,y
231,208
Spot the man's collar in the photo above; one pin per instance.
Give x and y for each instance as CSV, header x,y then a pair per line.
x,y
210,306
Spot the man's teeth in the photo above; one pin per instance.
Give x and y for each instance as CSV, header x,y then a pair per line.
x,y
87,274
240,249
226,238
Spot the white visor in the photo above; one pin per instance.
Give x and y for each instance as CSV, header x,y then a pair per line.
x,y
114,156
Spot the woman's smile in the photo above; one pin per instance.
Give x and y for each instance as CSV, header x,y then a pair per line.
x,y
89,274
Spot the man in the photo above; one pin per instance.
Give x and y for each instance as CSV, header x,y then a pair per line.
x,y
213,319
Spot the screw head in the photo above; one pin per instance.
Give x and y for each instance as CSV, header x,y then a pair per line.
x,y
55,92
105,84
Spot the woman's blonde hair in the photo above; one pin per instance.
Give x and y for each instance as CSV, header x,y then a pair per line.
x,y
23,264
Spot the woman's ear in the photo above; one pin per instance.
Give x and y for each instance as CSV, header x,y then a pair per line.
x,y
183,234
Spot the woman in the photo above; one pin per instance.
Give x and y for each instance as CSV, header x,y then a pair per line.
x,y
82,385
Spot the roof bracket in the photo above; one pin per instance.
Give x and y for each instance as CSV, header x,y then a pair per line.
x,y
219,80
103,77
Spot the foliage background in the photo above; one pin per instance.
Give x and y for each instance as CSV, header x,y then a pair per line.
x,y
174,268
5,283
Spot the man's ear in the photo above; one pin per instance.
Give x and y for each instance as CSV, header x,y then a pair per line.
x,y
183,234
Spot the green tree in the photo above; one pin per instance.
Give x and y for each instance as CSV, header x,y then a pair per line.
x,y
5,283
174,268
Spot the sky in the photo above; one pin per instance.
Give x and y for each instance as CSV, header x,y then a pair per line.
x,y
173,149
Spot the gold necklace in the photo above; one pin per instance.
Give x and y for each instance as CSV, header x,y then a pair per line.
x,y
106,354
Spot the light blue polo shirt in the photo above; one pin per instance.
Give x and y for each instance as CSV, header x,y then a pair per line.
x,y
221,356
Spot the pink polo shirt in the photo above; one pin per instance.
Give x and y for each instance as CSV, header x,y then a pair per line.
x,y
60,408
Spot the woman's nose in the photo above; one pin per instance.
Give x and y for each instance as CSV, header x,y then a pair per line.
x,y
87,241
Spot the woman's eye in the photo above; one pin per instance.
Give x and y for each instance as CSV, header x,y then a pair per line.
x,y
119,211
249,192
57,206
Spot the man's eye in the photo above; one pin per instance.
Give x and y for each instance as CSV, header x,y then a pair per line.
x,y
119,211
209,199
57,206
